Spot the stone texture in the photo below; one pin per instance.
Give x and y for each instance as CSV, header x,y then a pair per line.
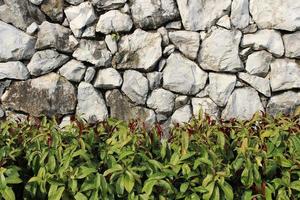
x,y
265,39
32,28
292,45
151,14
224,22
102,5
182,115
155,79
91,105
287,103
43,62
258,63
74,2
140,50
180,101
135,86
94,52
13,70
220,87
15,44
89,32
46,95
206,106
174,25
285,74
162,101
3,85
187,42
114,21
111,44
220,51
240,16
242,104
200,15
108,78
53,9
262,85
183,76
73,70
277,14
36,2
89,74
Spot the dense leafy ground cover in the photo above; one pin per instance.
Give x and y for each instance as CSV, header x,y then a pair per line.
x,y
257,159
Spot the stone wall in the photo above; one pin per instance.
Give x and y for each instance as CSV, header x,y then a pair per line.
x,y
157,60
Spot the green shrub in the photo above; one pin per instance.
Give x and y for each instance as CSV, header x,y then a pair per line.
x,y
257,159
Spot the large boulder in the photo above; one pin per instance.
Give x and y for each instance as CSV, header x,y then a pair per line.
x,y
240,16
162,101
53,9
14,70
258,63
108,78
286,103
73,70
292,45
262,85
182,115
46,95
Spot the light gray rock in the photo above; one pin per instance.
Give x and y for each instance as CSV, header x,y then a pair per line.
x,y
80,16
102,5
262,85
204,92
265,39
54,36
108,78
164,35
111,44
74,2
135,86
180,101
125,9
114,21
89,32
50,95
151,14
252,28
284,74
205,106
240,16
94,52
73,70
65,122
174,25
224,22
89,74
277,14
15,44
220,87
182,115
242,104
183,76
245,53
258,63
36,2
43,62
155,79
292,45
220,51
161,65
208,11
91,105
3,85
53,9
287,103
162,101
187,42
140,50
14,70
32,28
168,50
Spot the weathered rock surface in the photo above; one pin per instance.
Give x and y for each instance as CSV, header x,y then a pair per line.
x,y
262,85
181,100
43,62
220,51
135,86
206,106
292,45
108,4
114,21
242,104
162,101
13,70
32,28
111,44
285,74
155,79
73,70
287,103
36,2
187,42
265,39
224,22
258,63
183,76
208,11
53,9
91,105
46,95
182,115
89,74
151,14
108,78
277,14
240,16
140,50
74,2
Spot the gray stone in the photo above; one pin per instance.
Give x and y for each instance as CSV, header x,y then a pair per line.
x,y
155,79
168,50
258,63
114,21
43,62
36,2
220,87
89,74
161,65
265,39
65,122
187,42
90,31
15,44
245,53
183,76
252,28
94,52
91,105
277,14
242,104
205,106
240,16
174,25
140,50
224,22
292,45
220,51
135,86
32,28
182,115
164,35
73,70
108,78
151,14
180,101
285,74
46,95
125,9
102,5
262,85
111,44
53,9
287,103
162,101
204,92
3,85
200,15
74,2
14,70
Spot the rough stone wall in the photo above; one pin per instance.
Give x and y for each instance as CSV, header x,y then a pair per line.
x,y
157,60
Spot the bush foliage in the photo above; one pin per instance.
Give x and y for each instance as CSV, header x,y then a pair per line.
x,y
257,159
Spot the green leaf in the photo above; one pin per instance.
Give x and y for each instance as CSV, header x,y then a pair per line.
x,y
115,168
184,187
148,186
227,190
54,193
120,185
295,185
247,177
85,171
8,194
128,182
80,196
247,195
13,180
210,188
